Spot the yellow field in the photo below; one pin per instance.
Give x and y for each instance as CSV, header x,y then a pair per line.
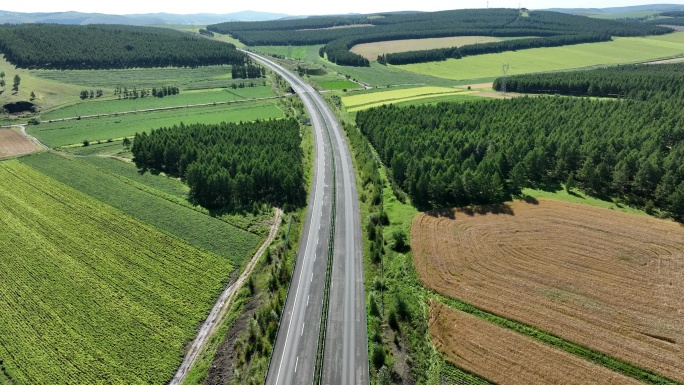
x,y
364,101
371,50
620,50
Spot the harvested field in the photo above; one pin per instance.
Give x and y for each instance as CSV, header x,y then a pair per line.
x,y
371,50
14,143
607,280
503,356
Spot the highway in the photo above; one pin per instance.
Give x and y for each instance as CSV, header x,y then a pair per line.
x,y
346,345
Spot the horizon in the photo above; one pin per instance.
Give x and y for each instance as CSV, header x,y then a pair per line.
x,y
128,7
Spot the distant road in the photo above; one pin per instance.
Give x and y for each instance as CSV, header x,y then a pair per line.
x,y
346,346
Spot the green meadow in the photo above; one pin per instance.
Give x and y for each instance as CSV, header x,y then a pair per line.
x,y
64,133
620,50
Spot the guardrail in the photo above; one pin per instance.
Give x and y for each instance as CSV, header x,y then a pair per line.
x,y
320,353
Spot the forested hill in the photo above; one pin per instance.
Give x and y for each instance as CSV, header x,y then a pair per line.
x,y
635,81
383,27
481,152
51,46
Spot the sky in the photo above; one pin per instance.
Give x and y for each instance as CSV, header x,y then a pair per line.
x,y
298,7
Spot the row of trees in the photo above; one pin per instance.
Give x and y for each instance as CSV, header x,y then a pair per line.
x,y
85,94
440,54
134,93
482,152
469,22
635,81
248,71
229,164
53,46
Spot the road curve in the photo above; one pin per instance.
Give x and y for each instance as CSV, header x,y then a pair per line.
x,y
346,346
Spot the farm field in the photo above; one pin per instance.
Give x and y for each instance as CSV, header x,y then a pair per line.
x,y
13,143
620,50
371,51
145,203
373,99
607,280
128,170
301,52
94,106
58,134
338,85
503,356
185,78
90,295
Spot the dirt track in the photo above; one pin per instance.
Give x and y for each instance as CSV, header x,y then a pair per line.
x,y
14,143
503,356
608,280
220,309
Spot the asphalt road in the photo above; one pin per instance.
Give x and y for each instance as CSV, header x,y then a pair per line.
x,y
346,345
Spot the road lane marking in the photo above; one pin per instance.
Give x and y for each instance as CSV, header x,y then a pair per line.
x,y
302,333
296,364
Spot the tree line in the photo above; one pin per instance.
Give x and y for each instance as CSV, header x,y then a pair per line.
x,y
53,46
635,81
229,164
383,27
440,54
482,152
248,71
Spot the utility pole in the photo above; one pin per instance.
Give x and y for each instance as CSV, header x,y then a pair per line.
x,y
504,73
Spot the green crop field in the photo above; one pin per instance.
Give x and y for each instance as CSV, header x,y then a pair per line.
x,y
338,85
58,134
128,170
142,201
142,77
95,106
90,295
303,52
621,50
367,100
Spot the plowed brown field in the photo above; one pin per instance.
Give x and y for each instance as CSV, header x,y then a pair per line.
x,y
503,356
14,143
611,281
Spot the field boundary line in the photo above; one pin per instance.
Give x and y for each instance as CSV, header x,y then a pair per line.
x,y
29,136
613,363
142,111
220,309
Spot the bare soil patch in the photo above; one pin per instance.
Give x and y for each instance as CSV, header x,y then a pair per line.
x,y
611,281
498,95
222,370
477,86
503,356
674,60
13,143
371,50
